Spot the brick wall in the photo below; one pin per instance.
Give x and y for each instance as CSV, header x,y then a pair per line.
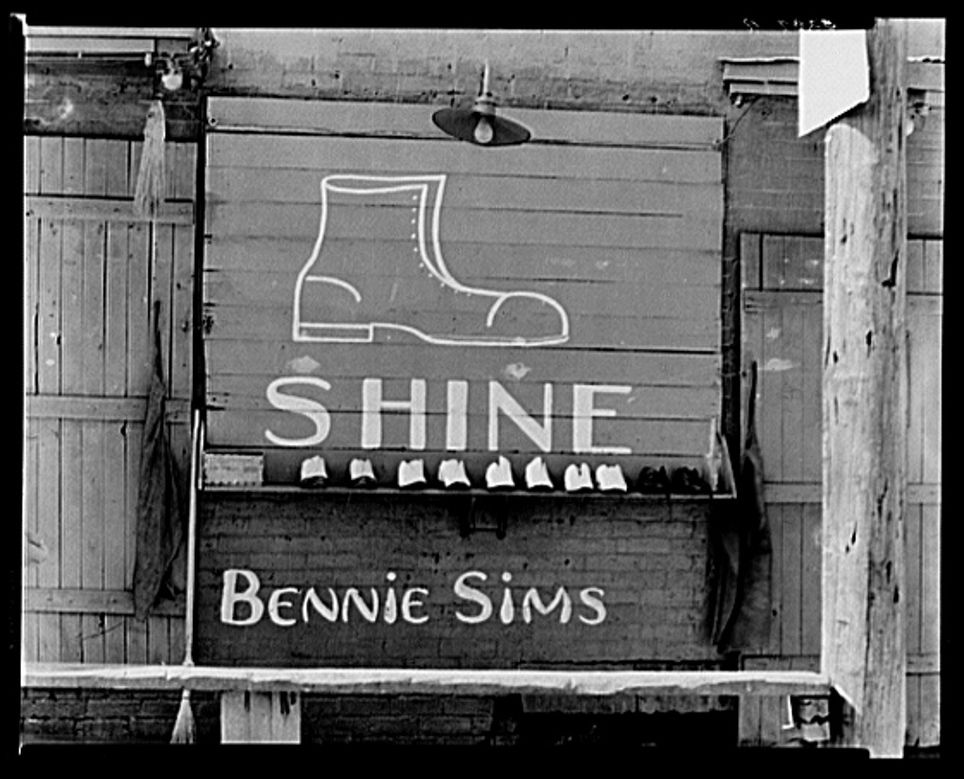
x,y
102,716
51,716
775,180
648,558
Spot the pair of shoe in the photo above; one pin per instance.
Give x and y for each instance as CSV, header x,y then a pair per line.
x,y
684,481
314,473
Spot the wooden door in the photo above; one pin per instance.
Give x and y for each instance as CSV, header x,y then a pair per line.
x,y
91,274
782,331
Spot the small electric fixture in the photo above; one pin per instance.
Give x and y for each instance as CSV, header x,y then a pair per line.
x,y
480,124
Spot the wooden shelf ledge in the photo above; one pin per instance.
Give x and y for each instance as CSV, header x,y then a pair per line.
x,y
374,492
395,681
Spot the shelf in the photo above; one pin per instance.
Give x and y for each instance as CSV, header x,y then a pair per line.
x,y
349,492
395,681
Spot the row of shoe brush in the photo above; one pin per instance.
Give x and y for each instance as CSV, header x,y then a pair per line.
x,y
577,478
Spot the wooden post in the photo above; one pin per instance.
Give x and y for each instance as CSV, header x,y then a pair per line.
x,y
249,716
865,403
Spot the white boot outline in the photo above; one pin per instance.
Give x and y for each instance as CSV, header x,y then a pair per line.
x,y
437,269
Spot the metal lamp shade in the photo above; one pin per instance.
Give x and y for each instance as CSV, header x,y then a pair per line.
x,y
460,123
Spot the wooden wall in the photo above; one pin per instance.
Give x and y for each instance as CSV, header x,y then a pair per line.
x,y
91,274
783,316
617,217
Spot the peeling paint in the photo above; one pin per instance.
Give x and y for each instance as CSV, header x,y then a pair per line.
x,y
773,333
302,365
778,364
516,371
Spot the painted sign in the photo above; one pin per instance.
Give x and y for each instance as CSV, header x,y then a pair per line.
x,y
385,581
391,296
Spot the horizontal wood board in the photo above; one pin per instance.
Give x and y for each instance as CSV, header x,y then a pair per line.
x,y
620,230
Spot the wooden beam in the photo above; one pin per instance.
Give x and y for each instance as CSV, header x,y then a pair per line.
x,y
865,402
104,209
103,408
395,681
55,600
811,492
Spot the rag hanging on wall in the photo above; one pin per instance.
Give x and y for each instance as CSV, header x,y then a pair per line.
x,y
739,603
149,190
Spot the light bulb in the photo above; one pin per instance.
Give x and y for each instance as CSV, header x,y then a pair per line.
x,y
483,132
172,79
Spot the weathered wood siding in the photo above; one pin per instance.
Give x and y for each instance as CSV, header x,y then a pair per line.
x,y
90,279
783,323
616,217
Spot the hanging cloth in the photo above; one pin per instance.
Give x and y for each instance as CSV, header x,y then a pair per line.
x,y
740,603
160,522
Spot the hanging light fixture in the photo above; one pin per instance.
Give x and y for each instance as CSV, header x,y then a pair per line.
x,y
480,124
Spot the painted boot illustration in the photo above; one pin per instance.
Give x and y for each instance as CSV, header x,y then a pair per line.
x,y
377,268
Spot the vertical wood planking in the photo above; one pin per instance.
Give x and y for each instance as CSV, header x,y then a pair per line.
x,y
117,154
176,635
32,324
115,507
777,590
49,573
49,337
749,720
930,579
73,338
132,449
30,642
771,717
31,296
136,640
912,579
913,710
71,536
158,641
930,384
48,638
48,487
811,452
792,571
161,282
930,709
93,637
93,516
934,266
115,306
51,158
752,351
114,649
812,552
773,253
31,522
71,632
134,163
71,497
182,319
170,169
186,173
51,165
769,413
915,395
915,266
74,160
95,167
750,260
792,401
31,164
138,317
